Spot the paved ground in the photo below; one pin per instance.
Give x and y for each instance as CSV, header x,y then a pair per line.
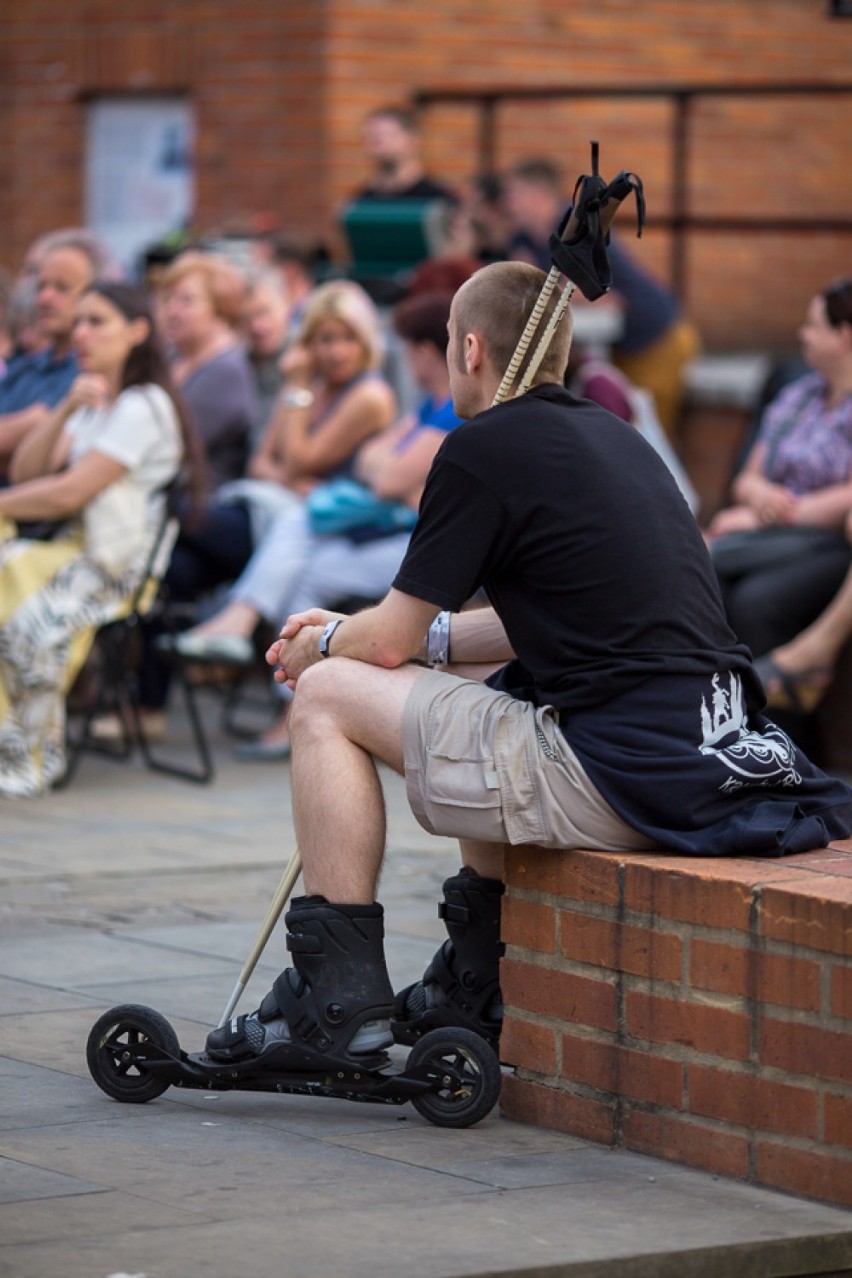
x,y
129,887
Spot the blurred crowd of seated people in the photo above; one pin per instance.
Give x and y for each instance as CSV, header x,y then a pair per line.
x,y
782,547
297,388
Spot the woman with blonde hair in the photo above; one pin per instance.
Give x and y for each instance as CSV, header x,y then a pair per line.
x,y
332,400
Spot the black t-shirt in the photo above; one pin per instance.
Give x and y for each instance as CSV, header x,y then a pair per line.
x,y
579,536
582,541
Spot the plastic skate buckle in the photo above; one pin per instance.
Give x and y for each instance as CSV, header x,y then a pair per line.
x,y
311,1032
303,943
453,913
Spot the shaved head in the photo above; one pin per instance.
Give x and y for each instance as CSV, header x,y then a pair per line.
x,y
495,303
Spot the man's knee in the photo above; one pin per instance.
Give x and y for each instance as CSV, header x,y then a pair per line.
x,y
365,703
329,687
319,688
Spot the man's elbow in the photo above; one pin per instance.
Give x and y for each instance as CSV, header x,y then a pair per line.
x,y
390,653
390,656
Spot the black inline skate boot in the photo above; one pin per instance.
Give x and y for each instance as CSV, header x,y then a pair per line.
x,y
332,1007
461,986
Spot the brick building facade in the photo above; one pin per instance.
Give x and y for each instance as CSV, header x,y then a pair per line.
x,y
279,92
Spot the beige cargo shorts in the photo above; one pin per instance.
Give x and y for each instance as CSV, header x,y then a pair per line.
x,y
481,765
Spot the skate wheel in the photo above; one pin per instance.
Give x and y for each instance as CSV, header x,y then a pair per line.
x,y
106,1052
467,1077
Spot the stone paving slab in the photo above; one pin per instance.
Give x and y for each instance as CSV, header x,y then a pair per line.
x,y
248,1169
78,960
21,1182
33,1232
25,996
33,1096
129,887
540,1233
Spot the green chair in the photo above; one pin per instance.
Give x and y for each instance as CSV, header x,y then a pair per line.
x,y
388,238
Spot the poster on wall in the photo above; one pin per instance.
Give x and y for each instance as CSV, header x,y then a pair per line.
x,y
139,172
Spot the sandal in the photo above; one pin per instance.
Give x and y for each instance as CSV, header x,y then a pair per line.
x,y
799,692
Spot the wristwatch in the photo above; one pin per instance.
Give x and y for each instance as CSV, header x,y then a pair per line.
x,y
325,637
297,397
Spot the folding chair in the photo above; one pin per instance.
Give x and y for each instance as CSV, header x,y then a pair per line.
x,y
118,648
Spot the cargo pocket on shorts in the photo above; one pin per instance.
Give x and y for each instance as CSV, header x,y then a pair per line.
x,y
462,797
522,752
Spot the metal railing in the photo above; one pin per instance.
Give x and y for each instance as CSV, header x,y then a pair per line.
x,y
681,97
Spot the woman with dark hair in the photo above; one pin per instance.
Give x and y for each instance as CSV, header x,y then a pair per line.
x,y
99,465
780,553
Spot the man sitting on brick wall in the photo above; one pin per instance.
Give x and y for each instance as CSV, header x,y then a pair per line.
x,y
621,712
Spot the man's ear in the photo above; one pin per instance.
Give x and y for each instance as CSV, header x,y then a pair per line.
x,y
472,352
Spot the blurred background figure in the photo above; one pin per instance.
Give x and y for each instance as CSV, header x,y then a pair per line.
x,y
780,552
392,147
63,265
306,562
267,328
104,264
23,332
483,219
99,462
202,305
332,399
6,343
300,265
656,342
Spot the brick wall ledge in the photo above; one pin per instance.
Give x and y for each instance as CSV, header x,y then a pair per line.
x,y
696,1009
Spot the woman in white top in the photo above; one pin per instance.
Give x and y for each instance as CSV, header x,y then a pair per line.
x,y
99,466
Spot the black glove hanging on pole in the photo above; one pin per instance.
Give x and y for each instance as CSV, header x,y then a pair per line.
x,y
579,253
579,247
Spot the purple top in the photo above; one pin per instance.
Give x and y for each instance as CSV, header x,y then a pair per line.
x,y
808,444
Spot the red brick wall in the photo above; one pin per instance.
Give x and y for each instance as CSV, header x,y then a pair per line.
x,y
6,254
254,76
280,92
772,155
698,1010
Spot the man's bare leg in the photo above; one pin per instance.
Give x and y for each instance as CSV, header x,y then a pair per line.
x,y
344,713
485,858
